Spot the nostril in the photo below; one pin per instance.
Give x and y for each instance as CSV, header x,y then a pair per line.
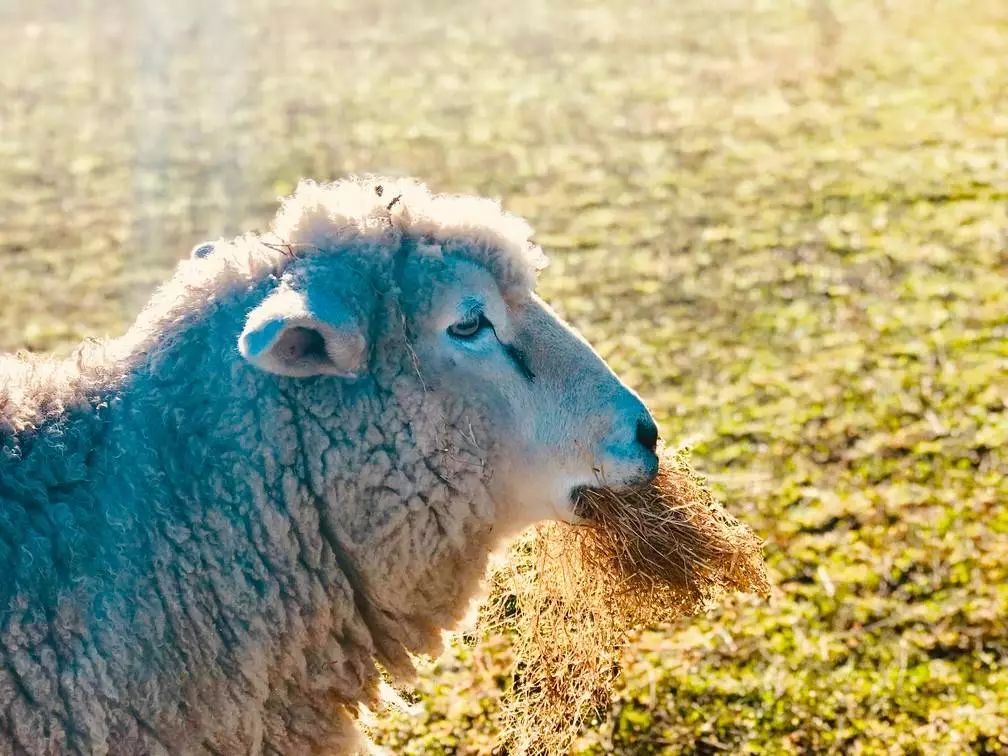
x,y
647,433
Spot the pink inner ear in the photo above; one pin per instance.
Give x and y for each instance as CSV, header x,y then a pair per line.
x,y
298,343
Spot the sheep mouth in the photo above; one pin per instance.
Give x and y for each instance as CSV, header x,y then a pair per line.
x,y
594,503
580,501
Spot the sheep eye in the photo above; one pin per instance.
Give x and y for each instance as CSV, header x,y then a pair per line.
x,y
469,327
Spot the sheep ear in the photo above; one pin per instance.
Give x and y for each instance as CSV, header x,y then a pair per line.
x,y
303,333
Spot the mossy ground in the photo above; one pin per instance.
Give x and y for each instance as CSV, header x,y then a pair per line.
x,y
785,223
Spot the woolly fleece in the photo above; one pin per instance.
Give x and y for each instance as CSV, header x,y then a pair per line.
x,y
202,557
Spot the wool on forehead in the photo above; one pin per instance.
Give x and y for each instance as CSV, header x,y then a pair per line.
x,y
329,218
324,216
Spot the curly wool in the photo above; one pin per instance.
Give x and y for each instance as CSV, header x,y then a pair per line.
x,y
195,560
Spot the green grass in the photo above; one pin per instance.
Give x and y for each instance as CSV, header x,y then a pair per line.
x,y
785,223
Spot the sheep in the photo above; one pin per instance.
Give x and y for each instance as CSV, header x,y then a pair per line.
x,y
218,529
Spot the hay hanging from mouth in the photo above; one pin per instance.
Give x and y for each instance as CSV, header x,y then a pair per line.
x,y
572,593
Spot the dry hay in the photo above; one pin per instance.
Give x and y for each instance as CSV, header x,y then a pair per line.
x,y
572,593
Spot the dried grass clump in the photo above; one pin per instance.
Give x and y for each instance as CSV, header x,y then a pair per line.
x,y
572,593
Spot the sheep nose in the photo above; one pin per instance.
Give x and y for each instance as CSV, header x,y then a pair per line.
x,y
647,433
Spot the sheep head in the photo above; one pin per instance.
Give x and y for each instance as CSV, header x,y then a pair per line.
x,y
388,280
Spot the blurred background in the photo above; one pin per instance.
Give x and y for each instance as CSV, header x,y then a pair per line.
x,y
785,223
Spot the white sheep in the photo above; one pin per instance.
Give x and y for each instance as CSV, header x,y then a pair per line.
x,y
291,468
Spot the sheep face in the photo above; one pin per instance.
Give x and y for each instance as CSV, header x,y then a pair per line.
x,y
509,382
555,416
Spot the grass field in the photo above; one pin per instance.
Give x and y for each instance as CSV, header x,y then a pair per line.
x,y
786,223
